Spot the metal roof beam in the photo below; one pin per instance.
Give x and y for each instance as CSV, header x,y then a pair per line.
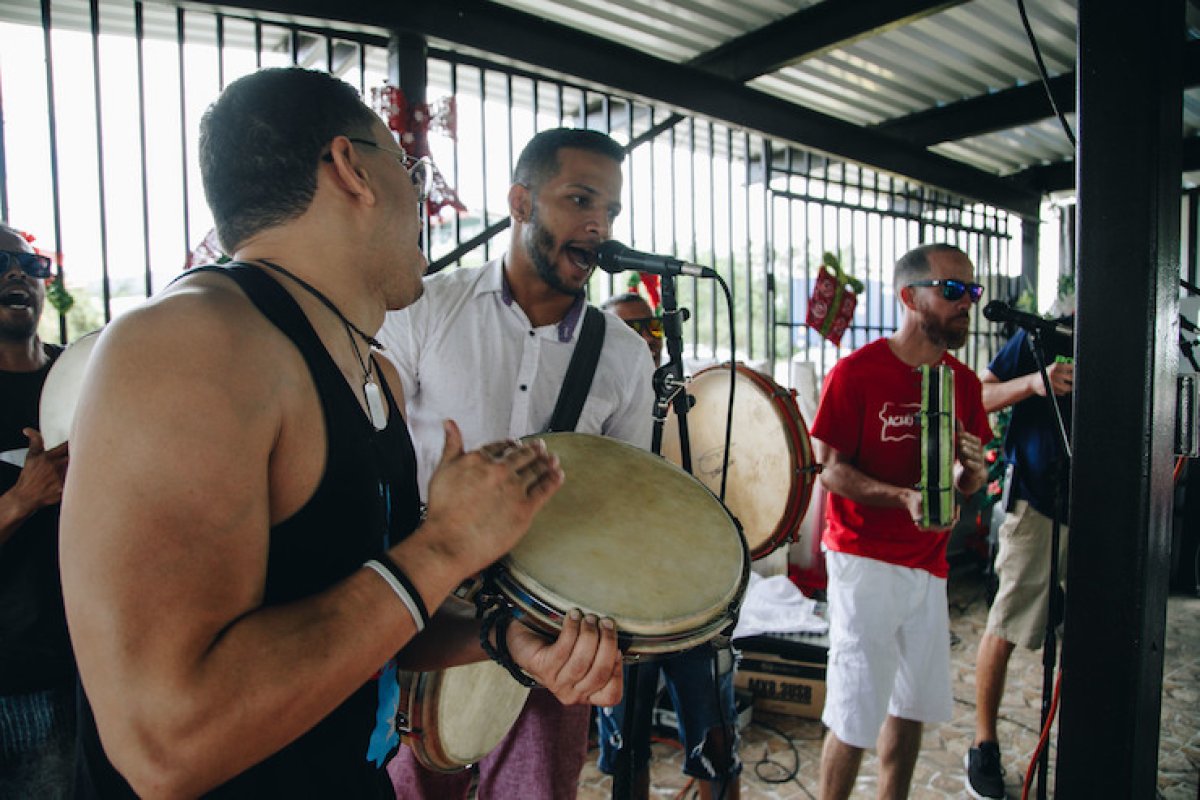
x,y
810,32
1020,105
1060,176
997,111
532,40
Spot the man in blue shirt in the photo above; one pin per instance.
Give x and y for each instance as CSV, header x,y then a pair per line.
x,y
1018,613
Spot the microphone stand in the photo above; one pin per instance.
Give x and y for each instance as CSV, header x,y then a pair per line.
x,y
668,379
1054,610
641,686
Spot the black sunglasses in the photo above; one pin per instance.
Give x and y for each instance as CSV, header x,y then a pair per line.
x,y
32,264
952,290
652,325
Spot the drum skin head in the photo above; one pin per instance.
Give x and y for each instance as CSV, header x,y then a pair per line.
x,y
466,711
60,394
631,537
765,488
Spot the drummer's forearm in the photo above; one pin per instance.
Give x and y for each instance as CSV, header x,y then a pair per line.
x,y
451,639
432,569
13,514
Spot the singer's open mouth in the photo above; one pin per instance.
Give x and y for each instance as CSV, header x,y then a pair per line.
x,y
16,298
581,258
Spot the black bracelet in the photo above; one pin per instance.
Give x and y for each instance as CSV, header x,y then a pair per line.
x,y
499,618
392,567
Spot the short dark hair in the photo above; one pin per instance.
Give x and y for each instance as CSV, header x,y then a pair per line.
x,y
260,141
914,265
538,162
619,299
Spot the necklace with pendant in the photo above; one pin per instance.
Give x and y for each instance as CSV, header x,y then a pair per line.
x,y
371,393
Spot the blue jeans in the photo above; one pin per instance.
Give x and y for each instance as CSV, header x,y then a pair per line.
x,y
37,744
702,702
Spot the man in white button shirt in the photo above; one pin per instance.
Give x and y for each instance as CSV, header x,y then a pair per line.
x,y
489,348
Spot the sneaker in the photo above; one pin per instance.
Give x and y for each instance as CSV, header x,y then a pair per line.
x,y
985,776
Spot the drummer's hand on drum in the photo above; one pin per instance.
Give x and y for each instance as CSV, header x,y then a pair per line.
x,y
40,483
482,502
583,665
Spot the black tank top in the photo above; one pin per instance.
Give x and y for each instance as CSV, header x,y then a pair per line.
x,y
366,501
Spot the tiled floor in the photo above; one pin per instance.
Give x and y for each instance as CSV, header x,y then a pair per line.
x,y
781,753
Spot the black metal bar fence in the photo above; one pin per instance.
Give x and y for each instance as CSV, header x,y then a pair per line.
x,y
759,211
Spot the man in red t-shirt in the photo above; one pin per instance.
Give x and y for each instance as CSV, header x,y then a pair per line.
x,y
889,655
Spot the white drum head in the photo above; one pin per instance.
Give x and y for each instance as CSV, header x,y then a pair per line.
x,y
762,485
476,705
631,537
60,394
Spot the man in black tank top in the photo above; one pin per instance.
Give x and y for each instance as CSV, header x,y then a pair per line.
x,y
245,558
37,673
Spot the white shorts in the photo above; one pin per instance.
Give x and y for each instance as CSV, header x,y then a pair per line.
x,y
889,647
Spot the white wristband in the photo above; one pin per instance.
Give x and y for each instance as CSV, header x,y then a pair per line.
x,y
401,592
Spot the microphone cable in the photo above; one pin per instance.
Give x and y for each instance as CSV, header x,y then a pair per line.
x,y
732,381
1043,739
1041,65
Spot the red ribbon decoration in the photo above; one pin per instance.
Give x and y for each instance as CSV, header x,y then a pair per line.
x,y
650,281
411,122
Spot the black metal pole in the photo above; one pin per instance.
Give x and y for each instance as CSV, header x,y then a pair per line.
x,y
1054,606
1126,351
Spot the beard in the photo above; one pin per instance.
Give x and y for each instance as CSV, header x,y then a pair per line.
x,y
19,330
539,242
943,335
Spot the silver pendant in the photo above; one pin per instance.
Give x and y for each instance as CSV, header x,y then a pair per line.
x,y
375,405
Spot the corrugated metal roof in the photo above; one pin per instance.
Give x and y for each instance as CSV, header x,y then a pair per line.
x,y
966,51
675,30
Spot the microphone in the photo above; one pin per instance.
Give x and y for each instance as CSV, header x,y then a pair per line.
x,y
999,311
614,257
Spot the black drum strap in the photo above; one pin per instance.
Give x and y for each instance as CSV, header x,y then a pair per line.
x,y
581,370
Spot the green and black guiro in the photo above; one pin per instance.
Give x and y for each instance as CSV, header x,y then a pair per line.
x,y
937,446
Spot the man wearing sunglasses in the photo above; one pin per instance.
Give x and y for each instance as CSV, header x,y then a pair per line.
x,y
246,565
637,314
37,672
889,655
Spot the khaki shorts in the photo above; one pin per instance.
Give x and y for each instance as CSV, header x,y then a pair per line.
x,y
1018,613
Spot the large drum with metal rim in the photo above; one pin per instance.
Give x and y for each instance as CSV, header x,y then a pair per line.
x,y
631,537
771,464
